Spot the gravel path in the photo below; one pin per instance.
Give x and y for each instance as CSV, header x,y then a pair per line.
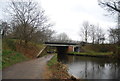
x,y
33,69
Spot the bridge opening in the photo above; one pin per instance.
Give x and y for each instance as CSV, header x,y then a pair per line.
x,y
62,48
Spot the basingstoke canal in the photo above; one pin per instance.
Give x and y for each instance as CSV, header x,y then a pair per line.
x,y
91,67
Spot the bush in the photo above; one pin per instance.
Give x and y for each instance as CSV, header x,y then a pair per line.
x,y
103,49
10,44
118,52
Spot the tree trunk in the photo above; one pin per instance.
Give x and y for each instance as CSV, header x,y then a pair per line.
x,y
26,42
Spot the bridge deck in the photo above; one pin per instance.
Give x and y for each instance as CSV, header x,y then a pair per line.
x,y
60,44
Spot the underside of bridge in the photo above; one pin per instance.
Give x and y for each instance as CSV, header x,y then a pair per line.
x,y
62,48
61,51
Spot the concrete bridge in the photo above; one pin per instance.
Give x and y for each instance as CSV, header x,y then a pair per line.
x,y
64,47
59,47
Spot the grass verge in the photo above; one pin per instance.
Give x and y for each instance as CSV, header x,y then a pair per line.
x,y
53,61
58,70
92,53
11,57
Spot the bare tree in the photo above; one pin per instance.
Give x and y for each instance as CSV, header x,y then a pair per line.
x,y
85,30
93,33
110,5
40,36
113,35
28,17
99,35
4,29
47,35
114,7
62,37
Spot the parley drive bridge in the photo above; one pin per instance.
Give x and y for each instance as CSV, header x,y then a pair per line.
x,y
61,48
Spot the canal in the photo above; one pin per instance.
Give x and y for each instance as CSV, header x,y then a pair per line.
x,y
91,67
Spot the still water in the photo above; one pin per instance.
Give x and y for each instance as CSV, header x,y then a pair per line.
x,y
91,67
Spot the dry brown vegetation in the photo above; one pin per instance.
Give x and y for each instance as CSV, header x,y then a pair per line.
x,y
57,70
30,51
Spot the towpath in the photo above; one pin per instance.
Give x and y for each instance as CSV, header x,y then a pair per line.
x,y
33,69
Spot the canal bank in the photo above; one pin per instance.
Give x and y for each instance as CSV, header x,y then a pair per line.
x,y
83,67
92,54
58,70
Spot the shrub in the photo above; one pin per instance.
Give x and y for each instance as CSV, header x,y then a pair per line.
x,y
11,44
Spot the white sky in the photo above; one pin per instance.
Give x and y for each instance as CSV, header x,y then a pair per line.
x,y
68,15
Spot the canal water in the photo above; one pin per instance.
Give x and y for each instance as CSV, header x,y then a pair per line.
x,y
91,67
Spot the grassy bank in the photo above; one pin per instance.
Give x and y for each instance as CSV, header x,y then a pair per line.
x,y
92,53
13,52
11,57
30,51
58,70
53,61
99,48
96,50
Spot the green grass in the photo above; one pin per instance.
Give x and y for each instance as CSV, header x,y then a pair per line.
x,y
92,53
53,60
11,57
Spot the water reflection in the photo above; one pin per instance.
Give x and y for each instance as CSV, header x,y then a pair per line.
x,y
91,68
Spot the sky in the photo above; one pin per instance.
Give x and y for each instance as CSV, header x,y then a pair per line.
x,y
68,15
